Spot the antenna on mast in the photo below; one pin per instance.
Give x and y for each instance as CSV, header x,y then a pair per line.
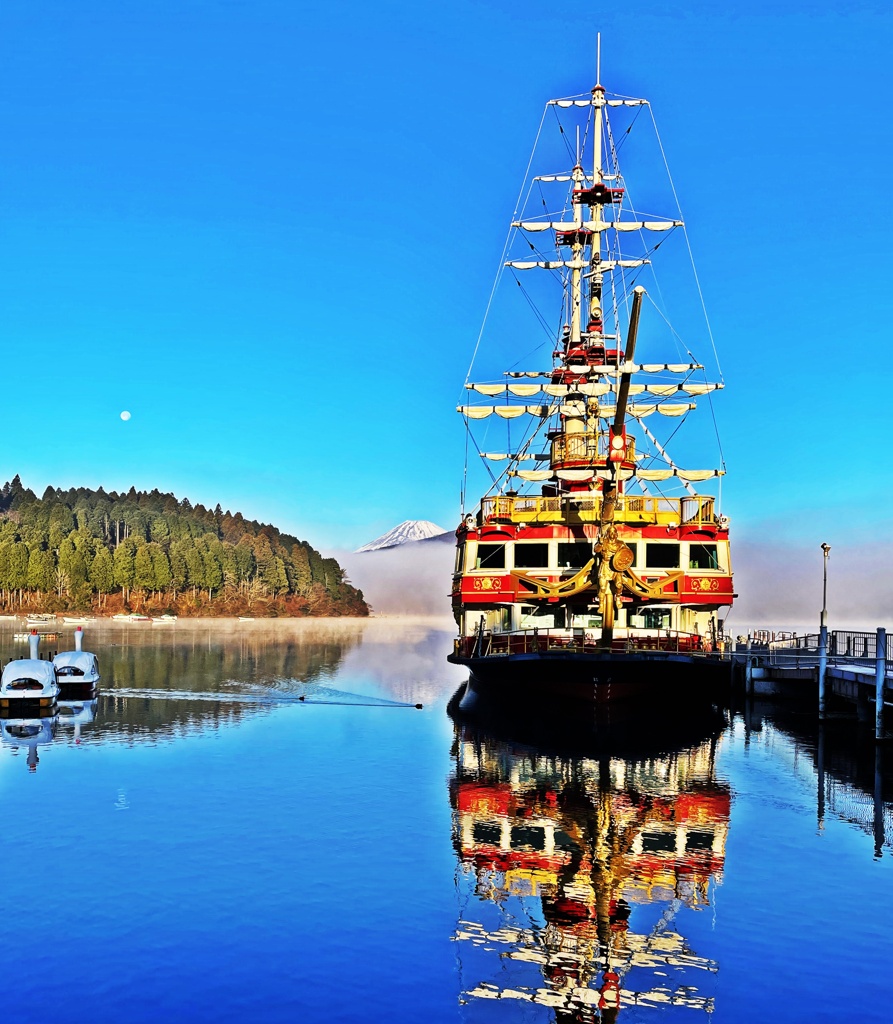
x,y
598,58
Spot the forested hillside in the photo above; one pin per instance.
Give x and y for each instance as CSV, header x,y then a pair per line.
x,y
80,550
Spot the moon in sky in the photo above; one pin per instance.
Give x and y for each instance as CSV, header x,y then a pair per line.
x,y
125,415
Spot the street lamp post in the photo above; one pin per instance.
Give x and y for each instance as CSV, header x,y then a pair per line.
x,y
823,632
824,619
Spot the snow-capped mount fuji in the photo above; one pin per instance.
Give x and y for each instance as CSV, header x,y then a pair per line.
x,y
405,533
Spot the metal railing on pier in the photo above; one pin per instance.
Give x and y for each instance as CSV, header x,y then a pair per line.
x,y
842,645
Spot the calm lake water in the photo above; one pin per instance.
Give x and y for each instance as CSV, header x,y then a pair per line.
x,y
201,845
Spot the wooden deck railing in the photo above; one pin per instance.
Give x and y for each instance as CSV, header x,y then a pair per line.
x,y
538,641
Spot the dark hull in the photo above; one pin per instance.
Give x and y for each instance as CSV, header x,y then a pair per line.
x,y
77,691
593,678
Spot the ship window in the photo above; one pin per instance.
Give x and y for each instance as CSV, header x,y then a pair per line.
x,y
699,839
573,556
490,556
564,842
656,618
528,835
486,834
702,556
537,617
460,558
661,556
531,556
659,842
634,547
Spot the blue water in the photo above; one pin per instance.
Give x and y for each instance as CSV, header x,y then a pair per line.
x,y
212,848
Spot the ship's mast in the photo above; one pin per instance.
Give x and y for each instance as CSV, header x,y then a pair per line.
x,y
595,253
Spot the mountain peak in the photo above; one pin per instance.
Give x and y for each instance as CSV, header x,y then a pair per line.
x,y
407,532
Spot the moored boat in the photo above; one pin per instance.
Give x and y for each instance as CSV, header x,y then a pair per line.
x,y
592,567
28,682
77,671
40,620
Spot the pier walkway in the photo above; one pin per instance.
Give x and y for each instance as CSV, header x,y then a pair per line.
x,y
841,665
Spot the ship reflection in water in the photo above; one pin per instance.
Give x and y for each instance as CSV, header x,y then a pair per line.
x,y
579,872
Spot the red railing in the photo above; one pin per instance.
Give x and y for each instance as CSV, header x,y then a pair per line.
x,y
532,641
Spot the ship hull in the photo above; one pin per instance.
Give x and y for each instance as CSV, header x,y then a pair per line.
x,y
534,679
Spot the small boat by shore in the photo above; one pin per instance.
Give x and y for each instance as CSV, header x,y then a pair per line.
x,y
164,620
77,671
28,682
131,617
76,620
40,620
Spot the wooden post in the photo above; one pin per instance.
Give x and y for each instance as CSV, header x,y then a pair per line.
x,y
823,666
748,671
880,678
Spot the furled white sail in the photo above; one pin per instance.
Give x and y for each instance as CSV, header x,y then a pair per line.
x,y
517,457
597,371
532,474
575,475
582,475
604,265
592,225
675,408
638,410
591,102
639,225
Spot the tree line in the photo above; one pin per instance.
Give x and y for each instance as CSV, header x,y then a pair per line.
x,y
83,549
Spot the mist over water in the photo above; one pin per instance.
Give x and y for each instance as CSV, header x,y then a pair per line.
x,y
779,584
413,579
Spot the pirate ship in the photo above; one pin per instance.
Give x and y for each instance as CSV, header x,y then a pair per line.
x,y
593,563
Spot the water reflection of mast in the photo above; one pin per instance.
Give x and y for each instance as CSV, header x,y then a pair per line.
x,y
594,841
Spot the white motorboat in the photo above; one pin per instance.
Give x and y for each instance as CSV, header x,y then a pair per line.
x,y
40,620
28,681
77,670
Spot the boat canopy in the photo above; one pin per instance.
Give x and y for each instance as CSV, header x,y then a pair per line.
x,y
29,668
82,660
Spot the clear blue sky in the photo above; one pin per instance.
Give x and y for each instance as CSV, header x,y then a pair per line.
x,y
268,230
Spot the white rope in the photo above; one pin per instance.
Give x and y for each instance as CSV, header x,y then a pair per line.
x,y
505,248
691,257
